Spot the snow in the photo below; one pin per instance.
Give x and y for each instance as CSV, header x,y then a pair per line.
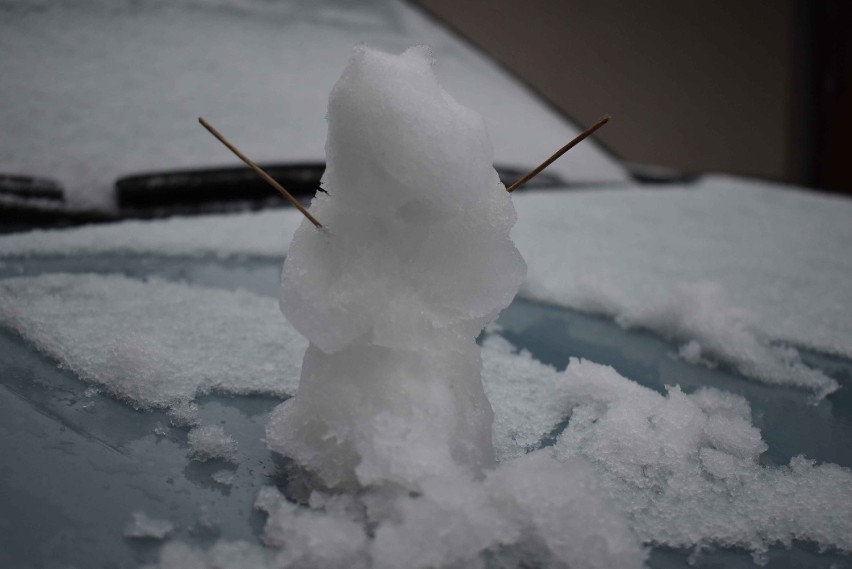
x,y
534,509
416,260
87,108
739,273
143,527
223,477
685,468
121,334
735,271
696,452
674,469
210,442
266,233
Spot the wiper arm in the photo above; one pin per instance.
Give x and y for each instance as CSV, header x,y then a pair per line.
x,y
217,187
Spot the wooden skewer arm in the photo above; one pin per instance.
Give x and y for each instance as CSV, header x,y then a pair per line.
x,y
260,172
558,153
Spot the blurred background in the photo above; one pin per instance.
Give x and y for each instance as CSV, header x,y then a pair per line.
x,y
749,87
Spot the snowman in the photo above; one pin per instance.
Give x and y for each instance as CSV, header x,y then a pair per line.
x,y
414,259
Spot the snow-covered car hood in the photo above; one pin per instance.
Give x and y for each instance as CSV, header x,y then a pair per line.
x,y
706,433
96,90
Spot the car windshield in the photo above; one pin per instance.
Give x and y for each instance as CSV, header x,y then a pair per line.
x,y
86,109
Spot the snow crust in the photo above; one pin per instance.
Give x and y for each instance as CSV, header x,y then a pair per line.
x,y
155,343
209,442
415,261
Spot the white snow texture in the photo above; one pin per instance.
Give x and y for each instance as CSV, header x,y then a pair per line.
x,y
155,343
415,261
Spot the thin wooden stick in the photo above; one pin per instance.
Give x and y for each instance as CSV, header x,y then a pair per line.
x,y
269,179
558,153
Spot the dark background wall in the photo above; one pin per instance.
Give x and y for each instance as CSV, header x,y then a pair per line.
x,y
751,87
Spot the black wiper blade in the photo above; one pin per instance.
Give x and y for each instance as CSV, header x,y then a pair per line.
x,y
30,187
239,186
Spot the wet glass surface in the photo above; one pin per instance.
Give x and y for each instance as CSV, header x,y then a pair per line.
x,y
77,463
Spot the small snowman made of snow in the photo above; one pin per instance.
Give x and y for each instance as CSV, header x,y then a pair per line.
x,y
414,260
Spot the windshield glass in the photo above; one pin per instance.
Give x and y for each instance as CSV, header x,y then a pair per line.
x,y
96,90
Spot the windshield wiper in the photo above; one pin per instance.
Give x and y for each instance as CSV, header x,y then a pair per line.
x,y
28,202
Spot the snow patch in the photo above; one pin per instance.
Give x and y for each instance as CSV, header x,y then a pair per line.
x,y
210,442
155,343
143,527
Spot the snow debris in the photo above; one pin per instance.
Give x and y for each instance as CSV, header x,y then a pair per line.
x,y
415,261
529,511
155,343
210,442
684,469
532,510
330,537
729,268
143,527
223,477
183,413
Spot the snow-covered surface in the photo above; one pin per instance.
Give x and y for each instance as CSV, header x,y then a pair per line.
x,y
155,343
684,469
729,269
86,108
210,442
143,527
679,469
735,271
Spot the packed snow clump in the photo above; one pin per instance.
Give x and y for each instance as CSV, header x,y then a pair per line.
x,y
532,511
415,260
223,477
738,272
684,469
144,527
210,442
155,343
